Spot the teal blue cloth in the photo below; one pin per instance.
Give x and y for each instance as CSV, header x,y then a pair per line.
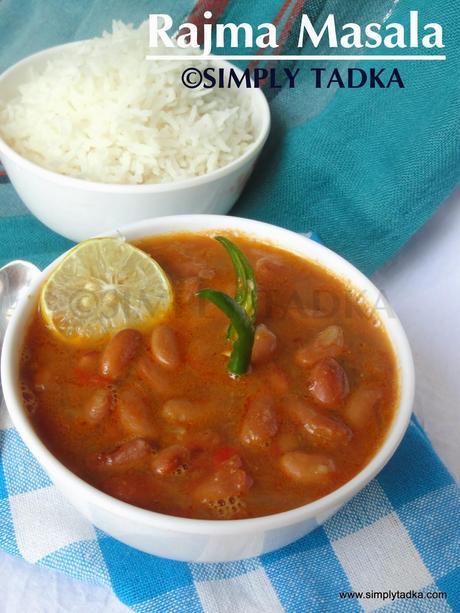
x,y
369,169
364,168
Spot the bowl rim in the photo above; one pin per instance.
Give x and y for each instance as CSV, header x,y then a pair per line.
x,y
209,223
254,148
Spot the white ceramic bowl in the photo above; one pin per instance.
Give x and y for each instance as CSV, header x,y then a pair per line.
x,y
205,540
78,209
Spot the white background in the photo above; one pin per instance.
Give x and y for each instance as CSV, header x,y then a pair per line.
x,y
423,285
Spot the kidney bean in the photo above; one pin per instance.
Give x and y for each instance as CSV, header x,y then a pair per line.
x,y
97,406
182,411
89,362
321,428
228,480
223,453
277,379
154,376
207,273
303,315
43,378
170,459
232,463
263,304
259,423
360,409
128,453
119,352
287,441
264,345
164,346
188,289
29,398
329,343
269,266
135,414
329,382
189,267
206,440
307,468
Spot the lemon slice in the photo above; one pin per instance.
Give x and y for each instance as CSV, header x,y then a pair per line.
x,y
104,285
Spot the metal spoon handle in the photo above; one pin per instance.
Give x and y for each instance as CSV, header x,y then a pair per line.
x,y
15,279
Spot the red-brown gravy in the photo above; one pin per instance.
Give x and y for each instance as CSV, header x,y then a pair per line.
x,y
167,429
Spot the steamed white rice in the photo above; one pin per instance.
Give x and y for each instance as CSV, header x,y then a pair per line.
x,y
102,112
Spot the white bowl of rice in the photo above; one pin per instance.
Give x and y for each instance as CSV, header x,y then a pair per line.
x,y
93,135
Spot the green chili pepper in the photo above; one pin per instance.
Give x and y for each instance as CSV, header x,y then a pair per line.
x,y
241,310
240,356
246,287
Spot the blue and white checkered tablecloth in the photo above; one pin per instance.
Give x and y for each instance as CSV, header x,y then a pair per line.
x,y
400,534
